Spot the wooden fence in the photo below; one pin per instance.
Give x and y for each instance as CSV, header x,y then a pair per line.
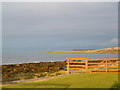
x,y
93,65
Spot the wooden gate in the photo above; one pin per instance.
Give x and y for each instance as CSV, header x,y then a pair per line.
x,y
93,65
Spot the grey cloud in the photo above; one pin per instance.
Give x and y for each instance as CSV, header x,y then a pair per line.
x,y
60,24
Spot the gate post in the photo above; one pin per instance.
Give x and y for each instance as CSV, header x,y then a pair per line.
x,y
86,65
106,66
68,71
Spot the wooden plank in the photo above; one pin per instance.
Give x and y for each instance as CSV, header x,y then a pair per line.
x,y
77,65
112,66
112,63
96,69
78,58
78,68
98,59
96,66
107,72
99,70
94,63
75,62
101,63
95,59
77,71
113,69
105,59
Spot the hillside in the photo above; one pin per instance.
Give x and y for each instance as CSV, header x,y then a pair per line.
x,y
113,50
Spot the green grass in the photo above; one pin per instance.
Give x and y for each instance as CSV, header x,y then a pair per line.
x,y
83,80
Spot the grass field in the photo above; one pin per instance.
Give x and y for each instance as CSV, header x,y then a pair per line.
x,y
81,80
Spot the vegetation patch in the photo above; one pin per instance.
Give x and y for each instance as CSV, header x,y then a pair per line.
x,y
31,70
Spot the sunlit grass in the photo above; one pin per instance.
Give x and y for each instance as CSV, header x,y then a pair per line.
x,y
82,80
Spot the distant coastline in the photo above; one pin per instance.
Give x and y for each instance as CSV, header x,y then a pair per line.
x,y
113,50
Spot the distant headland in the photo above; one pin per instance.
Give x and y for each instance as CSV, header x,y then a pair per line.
x,y
113,50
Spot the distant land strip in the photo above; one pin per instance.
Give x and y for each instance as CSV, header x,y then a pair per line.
x,y
113,50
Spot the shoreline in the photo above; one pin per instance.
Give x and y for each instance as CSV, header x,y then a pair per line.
x,y
31,62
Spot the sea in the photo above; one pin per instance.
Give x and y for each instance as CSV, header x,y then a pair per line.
x,y
47,57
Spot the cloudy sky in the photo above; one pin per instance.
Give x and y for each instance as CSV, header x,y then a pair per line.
x,y
59,26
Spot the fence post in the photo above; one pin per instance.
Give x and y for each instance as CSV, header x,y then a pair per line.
x,y
106,66
86,65
68,71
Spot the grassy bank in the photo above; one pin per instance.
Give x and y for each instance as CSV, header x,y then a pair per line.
x,y
82,80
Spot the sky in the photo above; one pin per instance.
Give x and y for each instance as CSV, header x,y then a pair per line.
x,y
50,26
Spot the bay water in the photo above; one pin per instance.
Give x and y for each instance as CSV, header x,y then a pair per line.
x,y
47,57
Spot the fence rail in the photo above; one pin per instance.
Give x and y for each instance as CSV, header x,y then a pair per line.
x,y
93,65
